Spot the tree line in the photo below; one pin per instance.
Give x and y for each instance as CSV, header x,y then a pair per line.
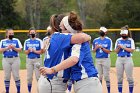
x,y
22,14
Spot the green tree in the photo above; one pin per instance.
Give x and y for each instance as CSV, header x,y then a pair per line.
x,y
121,12
8,17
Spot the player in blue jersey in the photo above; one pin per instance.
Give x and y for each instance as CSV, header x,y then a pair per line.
x,y
33,49
124,47
60,45
83,73
11,61
102,46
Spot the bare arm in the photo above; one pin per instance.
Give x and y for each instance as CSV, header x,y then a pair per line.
x,y
27,52
3,49
106,50
128,49
69,62
18,49
38,51
117,50
80,38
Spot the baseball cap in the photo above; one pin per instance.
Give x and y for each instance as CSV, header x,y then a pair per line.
x,y
124,32
103,29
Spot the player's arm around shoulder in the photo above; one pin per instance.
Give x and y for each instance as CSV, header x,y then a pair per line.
x,y
79,38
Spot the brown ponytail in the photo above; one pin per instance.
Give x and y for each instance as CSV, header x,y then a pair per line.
x,y
55,22
126,27
75,22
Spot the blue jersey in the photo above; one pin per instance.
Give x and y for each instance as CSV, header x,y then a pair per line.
x,y
85,67
129,43
6,42
58,51
36,44
105,43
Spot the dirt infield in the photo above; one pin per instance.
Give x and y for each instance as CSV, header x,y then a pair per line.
x,y
113,82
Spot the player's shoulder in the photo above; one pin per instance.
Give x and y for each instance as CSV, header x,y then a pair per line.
x,y
45,38
27,40
119,39
108,38
61,35
96,38
38,39
4,39
130,39
16,39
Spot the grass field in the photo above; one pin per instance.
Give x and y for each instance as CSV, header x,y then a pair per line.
x,y
136,59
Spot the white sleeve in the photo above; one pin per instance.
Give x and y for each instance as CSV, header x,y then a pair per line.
x,y
41,44
132,44
24,45
116,43
111,45
19,43
1,44
76,50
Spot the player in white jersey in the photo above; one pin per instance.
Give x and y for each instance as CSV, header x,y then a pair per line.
x,y
102,46
124,47
11,61
33,49
83,73
47,38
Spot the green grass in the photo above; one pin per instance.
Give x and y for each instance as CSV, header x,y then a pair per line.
x,y
136,59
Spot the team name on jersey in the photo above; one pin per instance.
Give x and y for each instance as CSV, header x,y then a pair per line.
x,y
104,45
7,44
32,45
126,45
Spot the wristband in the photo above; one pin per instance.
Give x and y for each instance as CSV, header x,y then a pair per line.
x,y
123,48
54,69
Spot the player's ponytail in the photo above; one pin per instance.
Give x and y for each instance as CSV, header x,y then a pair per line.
x,y
75,22
55,22
126,27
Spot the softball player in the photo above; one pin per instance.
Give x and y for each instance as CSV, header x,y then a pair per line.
x,y
103,46
124,47
33,48
46,39
60,45
11,61
83,72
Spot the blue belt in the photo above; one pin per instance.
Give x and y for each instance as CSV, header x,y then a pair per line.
x,y
101,57
10,56
125,56
33,57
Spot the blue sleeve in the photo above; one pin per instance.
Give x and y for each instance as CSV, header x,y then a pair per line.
x,y
66,41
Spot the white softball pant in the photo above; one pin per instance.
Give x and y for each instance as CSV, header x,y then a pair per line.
x,y
56,85
11,65
88,85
